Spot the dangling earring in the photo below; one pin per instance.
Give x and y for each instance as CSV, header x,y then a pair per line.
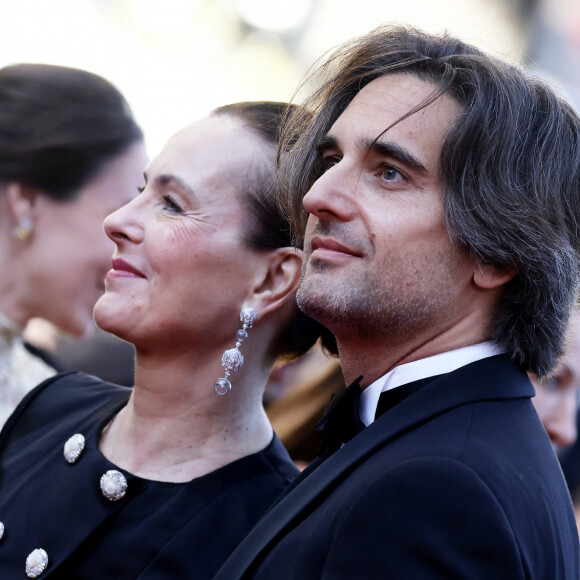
x,y
23,230
232,359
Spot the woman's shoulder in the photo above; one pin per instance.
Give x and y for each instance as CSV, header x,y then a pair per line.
x,y
70,395
72,390
271,468
279,459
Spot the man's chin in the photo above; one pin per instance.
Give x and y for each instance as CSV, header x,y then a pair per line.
x,y
317,299
310,300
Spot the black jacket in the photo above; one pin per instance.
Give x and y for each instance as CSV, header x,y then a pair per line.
x,y
459,480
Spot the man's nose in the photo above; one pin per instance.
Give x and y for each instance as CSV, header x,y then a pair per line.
x,y
334,194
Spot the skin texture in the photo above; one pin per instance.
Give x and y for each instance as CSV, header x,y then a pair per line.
x,y
188,220
380,270
556,399
58,272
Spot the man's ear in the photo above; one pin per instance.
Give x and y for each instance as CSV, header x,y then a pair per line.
x,y
488,276
279,282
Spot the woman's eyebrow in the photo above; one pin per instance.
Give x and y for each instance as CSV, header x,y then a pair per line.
x,y
167,179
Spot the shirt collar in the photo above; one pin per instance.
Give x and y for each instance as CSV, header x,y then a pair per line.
x,y
431,366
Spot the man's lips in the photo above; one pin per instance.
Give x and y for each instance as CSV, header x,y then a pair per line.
x,y
331,247
122,268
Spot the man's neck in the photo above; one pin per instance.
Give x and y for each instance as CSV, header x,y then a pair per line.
x,y
375,357
418,371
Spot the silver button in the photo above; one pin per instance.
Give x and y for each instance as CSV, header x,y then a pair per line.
x,y
113,485
74,447
36,563
1,530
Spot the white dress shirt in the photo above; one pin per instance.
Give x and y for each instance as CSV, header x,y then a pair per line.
x,y
431,366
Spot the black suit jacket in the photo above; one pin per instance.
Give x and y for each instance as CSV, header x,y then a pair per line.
x,y
459,480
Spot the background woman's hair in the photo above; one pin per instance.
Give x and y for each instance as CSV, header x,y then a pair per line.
x,y
58,126
268,227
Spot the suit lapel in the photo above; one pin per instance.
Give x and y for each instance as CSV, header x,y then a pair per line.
x,y
492,378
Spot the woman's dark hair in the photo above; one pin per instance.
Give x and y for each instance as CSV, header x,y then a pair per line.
x,y
269,228
510,169
58,126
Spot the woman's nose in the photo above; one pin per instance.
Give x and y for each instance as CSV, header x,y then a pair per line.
x,y
125,224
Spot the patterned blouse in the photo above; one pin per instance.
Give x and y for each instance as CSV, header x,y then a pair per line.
x,y
20,370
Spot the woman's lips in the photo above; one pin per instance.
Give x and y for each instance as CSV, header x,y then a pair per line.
x,y
124,269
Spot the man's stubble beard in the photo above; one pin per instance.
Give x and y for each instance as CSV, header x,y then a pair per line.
x,y
399,300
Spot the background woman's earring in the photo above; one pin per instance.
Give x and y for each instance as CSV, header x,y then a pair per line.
x,y
23,230
232,359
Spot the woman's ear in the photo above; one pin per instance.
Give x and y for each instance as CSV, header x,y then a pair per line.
x,y
21,201
280,281
488,276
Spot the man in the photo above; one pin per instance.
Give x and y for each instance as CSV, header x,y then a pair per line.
x,y
441,250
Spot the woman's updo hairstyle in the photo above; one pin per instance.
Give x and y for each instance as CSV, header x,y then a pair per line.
x,y
268,226
58,126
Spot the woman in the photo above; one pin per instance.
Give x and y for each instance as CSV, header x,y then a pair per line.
x,y
163,481
70,153
556,399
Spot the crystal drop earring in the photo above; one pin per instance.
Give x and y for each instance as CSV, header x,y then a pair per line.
x,y
232,359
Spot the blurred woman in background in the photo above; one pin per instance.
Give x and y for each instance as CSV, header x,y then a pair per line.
x,y
556,399
70,154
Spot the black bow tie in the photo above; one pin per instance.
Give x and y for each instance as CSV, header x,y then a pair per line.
x,y
341,422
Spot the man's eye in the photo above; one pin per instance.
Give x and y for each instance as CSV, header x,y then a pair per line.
x,y
329,162
391,174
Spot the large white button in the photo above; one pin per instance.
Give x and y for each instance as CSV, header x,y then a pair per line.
x,y
36,563
113,485
74,447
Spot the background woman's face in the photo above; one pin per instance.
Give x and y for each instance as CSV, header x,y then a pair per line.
x,y
556,399
181,270
70,252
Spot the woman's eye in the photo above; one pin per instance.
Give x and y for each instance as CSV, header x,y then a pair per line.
x,y
391,174
171,205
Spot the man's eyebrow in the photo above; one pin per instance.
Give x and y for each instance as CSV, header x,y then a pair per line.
x,y
389,149
327,142
384,148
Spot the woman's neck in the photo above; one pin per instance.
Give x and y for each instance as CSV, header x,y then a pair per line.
x,y
13,309
16,290
176,428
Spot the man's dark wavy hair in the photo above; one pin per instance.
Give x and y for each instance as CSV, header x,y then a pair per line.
x,y
510,169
